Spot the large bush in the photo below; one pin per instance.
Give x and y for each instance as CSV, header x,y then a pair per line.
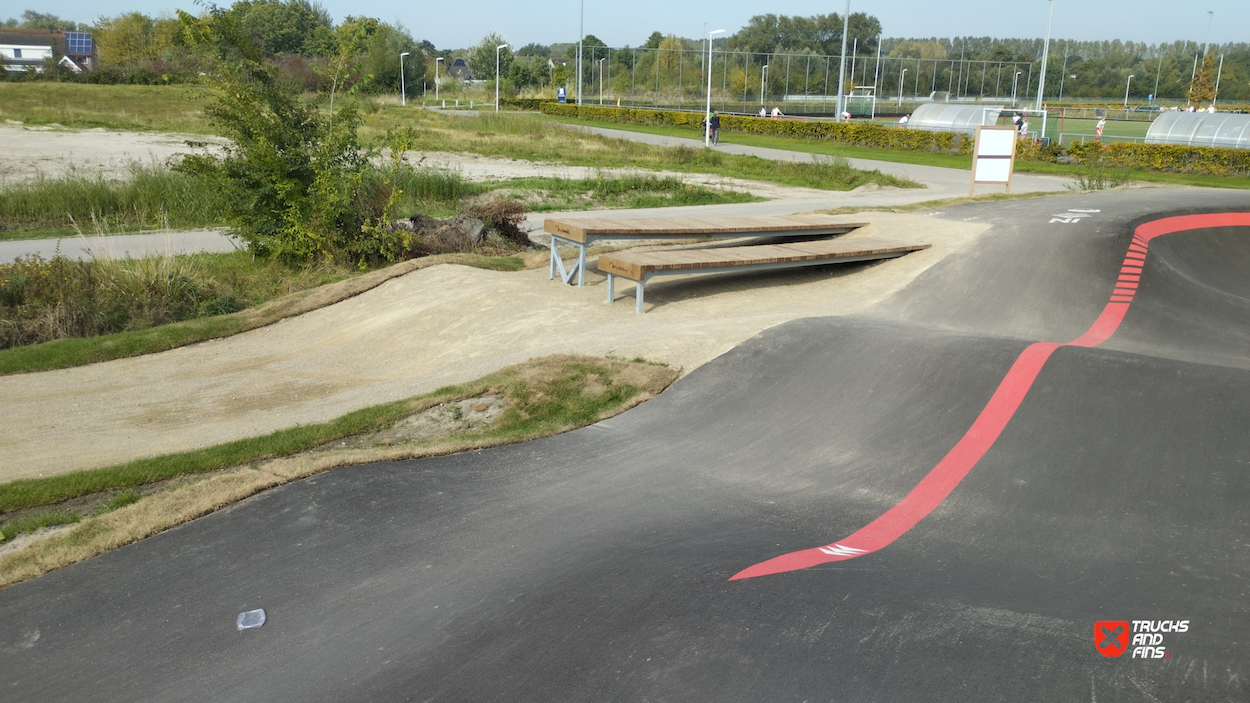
x,y
297,182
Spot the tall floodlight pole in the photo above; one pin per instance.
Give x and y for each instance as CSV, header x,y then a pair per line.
x,y
403,86
901,78
501,46
846,25
1158,72
437,61
707,114
1217,81
581,33
763,82
1126,87
1041,83
876,73
1210,22
601,80
1014,80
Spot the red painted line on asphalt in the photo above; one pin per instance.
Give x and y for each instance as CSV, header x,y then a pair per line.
x,y
943,478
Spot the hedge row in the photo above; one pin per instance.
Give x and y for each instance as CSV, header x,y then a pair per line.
x,y
531,104
853,133
1165,157
1152,157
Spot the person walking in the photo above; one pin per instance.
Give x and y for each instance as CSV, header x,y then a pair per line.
x,y
777,112
763,111
902,121
713,125
1102,122
1024,128
1211,109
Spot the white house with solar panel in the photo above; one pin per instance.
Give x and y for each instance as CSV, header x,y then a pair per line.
x,y
29,49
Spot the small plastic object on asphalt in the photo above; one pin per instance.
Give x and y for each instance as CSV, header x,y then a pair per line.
x,y
251,619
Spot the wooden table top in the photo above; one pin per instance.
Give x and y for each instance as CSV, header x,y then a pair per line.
x,y
578,229
634,265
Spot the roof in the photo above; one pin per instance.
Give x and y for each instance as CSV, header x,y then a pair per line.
x,y
944,117
1223,129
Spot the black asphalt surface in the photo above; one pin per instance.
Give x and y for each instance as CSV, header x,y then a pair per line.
x,y
593,566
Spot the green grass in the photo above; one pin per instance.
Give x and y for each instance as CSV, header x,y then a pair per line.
x,y
152,197
121,107
541,397
531,137
31,523
919,158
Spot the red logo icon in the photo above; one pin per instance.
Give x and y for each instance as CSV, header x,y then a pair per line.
x,y
1111,637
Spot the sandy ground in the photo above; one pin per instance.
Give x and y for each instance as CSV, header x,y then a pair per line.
x,y
29,152
414,334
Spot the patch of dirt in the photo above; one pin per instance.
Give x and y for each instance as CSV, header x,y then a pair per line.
x,y
442,420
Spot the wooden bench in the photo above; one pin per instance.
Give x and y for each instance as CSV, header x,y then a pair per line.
x,y
582,231
643,265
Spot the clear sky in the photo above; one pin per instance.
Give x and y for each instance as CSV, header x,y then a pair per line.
x,y
460,24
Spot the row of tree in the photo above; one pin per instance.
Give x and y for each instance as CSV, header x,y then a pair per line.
x,y
300,35
297,35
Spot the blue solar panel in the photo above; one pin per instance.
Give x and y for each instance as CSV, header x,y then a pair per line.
x,y
78,42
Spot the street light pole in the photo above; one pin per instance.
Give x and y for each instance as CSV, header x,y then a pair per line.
x,y
1041,83
901,78
601,80
1014,80
581,33
707,114
763,82
403,86
846,24
1126,86
501,46
437,61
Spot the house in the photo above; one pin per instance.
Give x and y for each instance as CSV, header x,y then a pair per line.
x,y
460,70
23,49
552,63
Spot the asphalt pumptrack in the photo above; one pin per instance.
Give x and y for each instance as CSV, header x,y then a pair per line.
x,y
1023,477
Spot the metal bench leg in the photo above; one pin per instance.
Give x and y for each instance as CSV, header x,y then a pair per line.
x,y
581,266
638,295
611,292
555,256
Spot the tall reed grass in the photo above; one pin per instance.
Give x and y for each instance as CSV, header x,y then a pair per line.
x,y
151,196
46,299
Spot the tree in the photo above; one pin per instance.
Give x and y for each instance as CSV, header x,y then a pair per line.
x,y
653,41
1203,88
533,49
126,39
380,62
819,33
590,41
292,27
670,52
481,58
40,20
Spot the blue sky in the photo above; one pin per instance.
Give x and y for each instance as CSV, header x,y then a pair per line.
x,y
460,24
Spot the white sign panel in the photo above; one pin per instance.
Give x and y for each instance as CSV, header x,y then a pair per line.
x,y
993,157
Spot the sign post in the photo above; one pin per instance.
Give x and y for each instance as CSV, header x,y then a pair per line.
x,y
560,96
993,157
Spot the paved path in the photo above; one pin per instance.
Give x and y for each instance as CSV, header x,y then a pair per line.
x,y
121,245
971,503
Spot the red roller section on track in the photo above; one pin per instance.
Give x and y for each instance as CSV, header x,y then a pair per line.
x,y
938,483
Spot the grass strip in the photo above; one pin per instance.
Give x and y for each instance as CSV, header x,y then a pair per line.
x,y
68,353
541,397
959,161
51,518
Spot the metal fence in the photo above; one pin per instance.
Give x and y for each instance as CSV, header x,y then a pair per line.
x,y
796,82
